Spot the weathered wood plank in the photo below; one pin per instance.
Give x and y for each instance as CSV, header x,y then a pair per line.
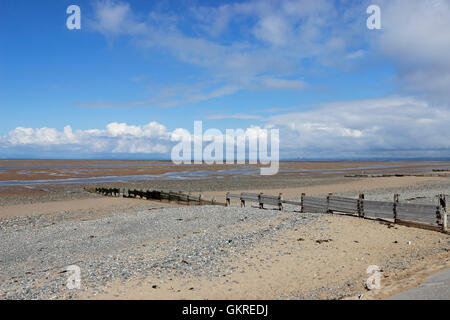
x,y
417,207
344,200
431,218
273,202
343,208
250,197
292,202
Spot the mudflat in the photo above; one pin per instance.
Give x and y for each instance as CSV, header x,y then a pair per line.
x,y
70,169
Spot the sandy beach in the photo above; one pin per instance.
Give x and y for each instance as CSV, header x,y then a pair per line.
x,y
295,264
142,249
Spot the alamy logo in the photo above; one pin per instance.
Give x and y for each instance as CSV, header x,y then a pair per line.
x,y
74,279
374,20
374,281
239,146
74,20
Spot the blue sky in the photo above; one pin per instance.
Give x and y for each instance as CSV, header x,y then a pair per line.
x,y
137,71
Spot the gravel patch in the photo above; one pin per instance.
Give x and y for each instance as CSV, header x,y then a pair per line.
x,y
128,245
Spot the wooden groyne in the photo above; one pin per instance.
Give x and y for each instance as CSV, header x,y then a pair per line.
x,y
425,216
179,197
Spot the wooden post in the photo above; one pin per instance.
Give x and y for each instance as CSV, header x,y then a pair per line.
x,y
242,202
361,205
261,204
444,224
302,210
280,203
396,199
227,200
439,210
443,212
328,203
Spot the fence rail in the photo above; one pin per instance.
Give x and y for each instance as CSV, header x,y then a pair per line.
x,y
420,215
160,195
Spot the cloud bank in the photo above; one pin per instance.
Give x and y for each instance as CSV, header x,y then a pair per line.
x,y
416,38
117,140
394,127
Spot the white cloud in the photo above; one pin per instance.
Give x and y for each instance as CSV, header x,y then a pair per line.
x,y
416,37
356,55
153,129
281,84
273,29
116,18
385,127
270,39
116,139
266,53
39,136
152,138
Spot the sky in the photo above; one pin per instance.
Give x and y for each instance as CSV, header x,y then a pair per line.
x,y
139,73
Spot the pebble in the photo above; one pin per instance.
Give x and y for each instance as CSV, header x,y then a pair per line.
x,y
128,245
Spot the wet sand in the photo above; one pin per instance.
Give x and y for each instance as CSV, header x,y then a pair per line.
x,y
29,170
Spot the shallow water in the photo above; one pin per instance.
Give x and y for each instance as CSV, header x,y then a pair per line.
x,y
82,166
183,175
